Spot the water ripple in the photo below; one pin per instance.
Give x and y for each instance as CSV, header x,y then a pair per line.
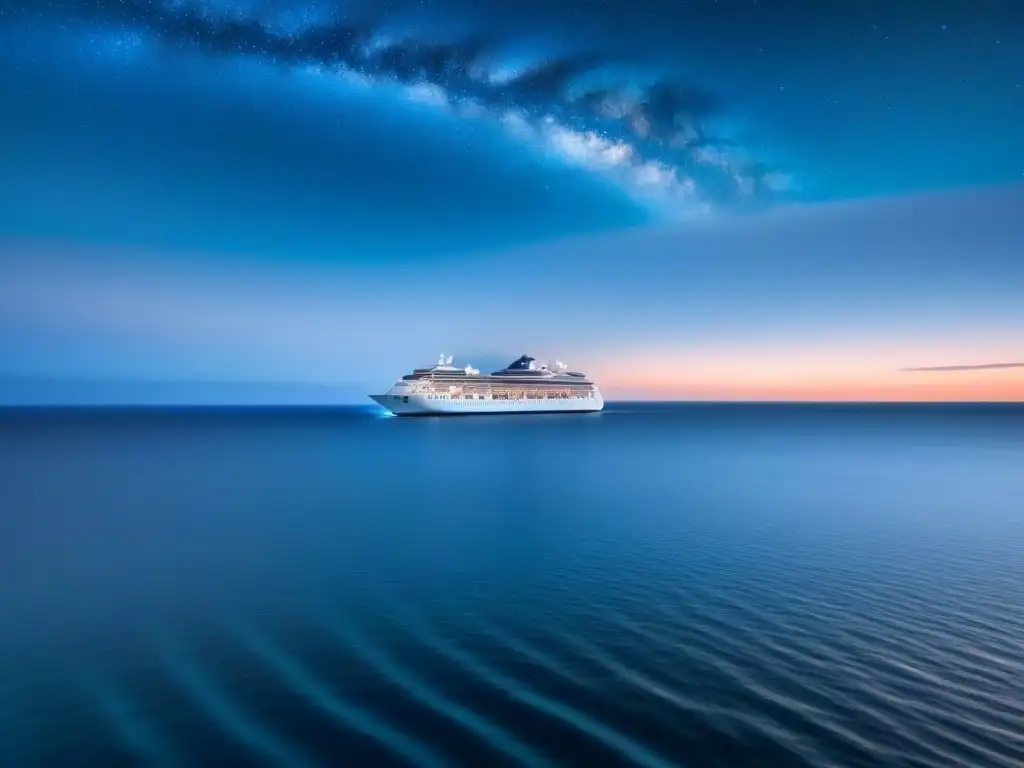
x,y
489,733
626,748
218,705
321,696
120,713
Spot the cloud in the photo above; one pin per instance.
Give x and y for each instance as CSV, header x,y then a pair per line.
x,y
426,93
655,140
981,367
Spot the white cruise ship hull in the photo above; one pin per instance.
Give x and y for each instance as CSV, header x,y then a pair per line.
x,y
442,405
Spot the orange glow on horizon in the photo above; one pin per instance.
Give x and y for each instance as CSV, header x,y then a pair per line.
x,y
796,384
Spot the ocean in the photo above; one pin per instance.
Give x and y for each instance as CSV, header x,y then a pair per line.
x,y
654,585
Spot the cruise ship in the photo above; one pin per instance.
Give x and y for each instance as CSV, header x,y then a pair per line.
x,y
522,387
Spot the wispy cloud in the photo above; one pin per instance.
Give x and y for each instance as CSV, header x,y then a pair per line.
x,y
656,140
980,367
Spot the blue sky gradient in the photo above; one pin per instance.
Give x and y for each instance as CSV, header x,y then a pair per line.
x,y
754,199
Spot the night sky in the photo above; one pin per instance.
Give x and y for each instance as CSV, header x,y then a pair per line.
x,y
750,199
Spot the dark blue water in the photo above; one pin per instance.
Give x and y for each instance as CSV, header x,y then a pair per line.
x,y
653,585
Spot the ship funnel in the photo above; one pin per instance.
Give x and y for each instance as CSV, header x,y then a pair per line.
x,y
449,360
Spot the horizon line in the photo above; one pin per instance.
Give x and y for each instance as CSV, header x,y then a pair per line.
x,y
371,406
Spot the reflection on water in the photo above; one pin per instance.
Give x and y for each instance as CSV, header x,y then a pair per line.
x,y
654,585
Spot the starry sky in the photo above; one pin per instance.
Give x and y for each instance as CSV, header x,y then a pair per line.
x,y
689,199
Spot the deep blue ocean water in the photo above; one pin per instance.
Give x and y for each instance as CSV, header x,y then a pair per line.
x,y
696,585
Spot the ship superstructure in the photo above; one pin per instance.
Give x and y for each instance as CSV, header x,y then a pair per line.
x,y
521,387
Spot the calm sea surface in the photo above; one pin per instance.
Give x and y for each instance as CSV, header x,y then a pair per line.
x,y
654,585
